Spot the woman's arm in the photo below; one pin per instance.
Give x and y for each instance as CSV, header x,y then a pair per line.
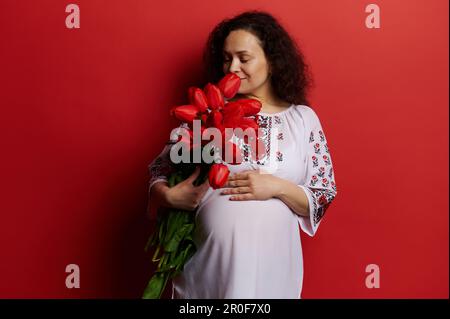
x,y
293,196
183,196
158,194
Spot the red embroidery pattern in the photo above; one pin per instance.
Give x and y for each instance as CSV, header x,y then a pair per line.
x,y
322,189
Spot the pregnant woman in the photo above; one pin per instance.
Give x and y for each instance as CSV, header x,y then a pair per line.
x,y
247,235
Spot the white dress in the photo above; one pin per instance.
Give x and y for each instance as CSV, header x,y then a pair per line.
x,y
252,249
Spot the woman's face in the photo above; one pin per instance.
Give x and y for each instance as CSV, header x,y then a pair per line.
x,y
244,56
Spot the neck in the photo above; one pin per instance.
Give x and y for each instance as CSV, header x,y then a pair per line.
x,y
264,94
268,103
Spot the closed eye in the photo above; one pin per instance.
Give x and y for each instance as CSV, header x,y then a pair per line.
x,y
228,60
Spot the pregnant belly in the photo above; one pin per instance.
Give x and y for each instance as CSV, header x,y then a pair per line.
x,y
222,220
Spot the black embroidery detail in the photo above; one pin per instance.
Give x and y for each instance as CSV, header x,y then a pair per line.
x,y
161,167
317,148
315,161
277,119
279,156
322,137
321,172
333,186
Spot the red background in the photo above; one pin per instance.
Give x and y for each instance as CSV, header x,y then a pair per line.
x,y
85,111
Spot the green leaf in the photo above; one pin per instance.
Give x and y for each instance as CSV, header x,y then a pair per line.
x,y
175,221
179,235
155,286
173,238
188,252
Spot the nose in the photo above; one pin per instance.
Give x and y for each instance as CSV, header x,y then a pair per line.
x,y
235,66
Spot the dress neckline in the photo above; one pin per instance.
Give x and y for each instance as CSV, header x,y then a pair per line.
x,y
278,113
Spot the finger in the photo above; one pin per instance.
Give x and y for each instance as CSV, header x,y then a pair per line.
x,y
204,187
247,196
205,183
194,175
241,175
238,183
237,190
226,185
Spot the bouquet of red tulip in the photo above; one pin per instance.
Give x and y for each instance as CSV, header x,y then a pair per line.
x,y
211,121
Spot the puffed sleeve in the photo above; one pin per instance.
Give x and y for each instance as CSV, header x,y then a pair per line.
x,y
160,168
320,186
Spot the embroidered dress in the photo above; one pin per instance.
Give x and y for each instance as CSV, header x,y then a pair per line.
x,y
252,249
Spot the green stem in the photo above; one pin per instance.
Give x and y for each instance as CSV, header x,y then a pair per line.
x,y
155,255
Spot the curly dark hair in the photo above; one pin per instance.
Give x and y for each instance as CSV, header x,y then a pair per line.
x,y
290,75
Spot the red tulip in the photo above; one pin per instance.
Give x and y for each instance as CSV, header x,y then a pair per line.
x,y
246,122
214,97
218,175
229,85
250,106
198,98
232,114
185,113
215,119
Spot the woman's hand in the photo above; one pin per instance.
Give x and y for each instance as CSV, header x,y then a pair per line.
x,y
185,195
252,185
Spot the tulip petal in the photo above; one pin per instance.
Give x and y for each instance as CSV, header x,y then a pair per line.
x,y
214,97
185,113
229,85
198,98
250,106
218,175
